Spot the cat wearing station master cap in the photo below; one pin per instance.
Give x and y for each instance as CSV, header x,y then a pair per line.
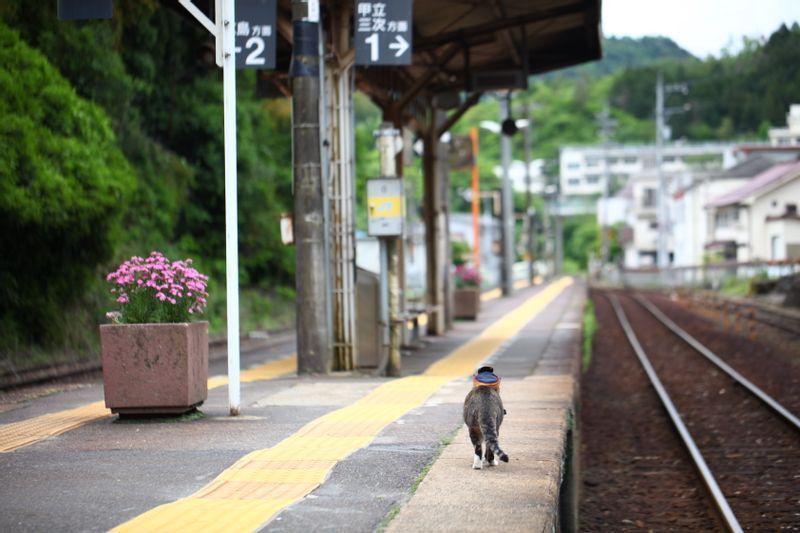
x,y
483,414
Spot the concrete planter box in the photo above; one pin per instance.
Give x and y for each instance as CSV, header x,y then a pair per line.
x,y
466,303
154,368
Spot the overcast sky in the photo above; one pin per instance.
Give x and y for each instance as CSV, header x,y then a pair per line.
x,y
702,27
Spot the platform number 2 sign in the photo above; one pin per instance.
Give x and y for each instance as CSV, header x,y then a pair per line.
x,y
255,34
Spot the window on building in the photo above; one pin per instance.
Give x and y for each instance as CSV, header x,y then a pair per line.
x,y
612,160
573,165
592,179
592,161
631,160
649,199
654,225
668,159
726,217
791,209
574,182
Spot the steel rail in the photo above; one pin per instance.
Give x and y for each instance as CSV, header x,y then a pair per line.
x,y
722,365
708,477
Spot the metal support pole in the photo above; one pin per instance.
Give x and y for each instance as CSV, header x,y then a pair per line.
x,y
388,138
231,204
605,133
313,342
223,29
507,273
559,238
528,196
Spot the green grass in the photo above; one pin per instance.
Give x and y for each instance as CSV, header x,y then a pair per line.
x,y
589,329
735,287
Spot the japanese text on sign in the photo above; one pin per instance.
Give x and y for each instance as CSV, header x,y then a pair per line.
x,y
255,34
372,18
383,32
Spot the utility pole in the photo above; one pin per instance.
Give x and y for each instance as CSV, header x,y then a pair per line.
x,y
662,115
528,195
388,138
507,277
313,342
662,258
606,125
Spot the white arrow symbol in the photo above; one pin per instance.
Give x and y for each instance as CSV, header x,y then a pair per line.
x,y
401,45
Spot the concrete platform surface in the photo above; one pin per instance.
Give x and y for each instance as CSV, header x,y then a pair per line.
x,y
339,453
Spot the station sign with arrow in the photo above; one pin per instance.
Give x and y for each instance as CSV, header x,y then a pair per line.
x,y
383,32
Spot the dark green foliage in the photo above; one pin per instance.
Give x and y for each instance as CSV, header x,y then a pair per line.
x,y
63,186
581,238
621,53
147,69
731,97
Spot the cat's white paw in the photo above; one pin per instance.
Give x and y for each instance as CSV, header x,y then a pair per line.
x,y
495,461
477,462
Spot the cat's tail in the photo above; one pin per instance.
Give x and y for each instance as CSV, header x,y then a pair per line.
x,y
489,430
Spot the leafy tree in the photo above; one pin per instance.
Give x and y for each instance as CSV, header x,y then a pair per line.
x,y
63,186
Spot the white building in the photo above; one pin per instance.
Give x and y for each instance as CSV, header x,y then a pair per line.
x,y
790,135
759,220
690,220
640,244
583,167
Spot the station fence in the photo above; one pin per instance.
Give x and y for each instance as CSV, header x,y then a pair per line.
x,y
711,276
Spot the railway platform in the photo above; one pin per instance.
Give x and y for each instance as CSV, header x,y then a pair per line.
x,y
345,452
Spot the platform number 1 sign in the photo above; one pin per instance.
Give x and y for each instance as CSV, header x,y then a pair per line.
x,y
383,32
255,34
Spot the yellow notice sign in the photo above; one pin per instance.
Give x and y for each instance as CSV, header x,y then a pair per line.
x,y
385,206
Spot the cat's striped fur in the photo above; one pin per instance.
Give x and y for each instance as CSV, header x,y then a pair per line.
x,y
483,414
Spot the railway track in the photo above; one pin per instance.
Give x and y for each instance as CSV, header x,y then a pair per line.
x,y
744,443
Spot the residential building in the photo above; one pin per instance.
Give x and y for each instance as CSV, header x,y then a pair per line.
x,y
790,135
640,244
759,220
583,168
690,224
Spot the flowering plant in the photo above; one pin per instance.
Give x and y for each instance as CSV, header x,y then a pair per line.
x,y
157,290
467,277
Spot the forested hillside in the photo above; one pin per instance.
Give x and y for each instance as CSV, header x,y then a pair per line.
x,y
111,145
114,141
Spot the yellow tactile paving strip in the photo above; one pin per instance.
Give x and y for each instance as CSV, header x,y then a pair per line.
x,y
259,485
26,432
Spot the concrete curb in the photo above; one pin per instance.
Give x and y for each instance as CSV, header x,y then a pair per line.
x,y
536,490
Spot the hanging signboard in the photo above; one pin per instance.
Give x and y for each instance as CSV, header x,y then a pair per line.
x,y
84,9
383,32
256,38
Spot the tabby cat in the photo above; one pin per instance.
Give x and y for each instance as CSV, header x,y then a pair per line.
x,y
483,414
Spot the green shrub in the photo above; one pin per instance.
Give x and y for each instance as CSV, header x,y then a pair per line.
x,y
63,185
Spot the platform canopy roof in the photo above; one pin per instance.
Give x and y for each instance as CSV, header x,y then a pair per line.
x,y
475,45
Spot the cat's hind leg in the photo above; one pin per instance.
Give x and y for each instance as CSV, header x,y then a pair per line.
x,y
490,458
477,441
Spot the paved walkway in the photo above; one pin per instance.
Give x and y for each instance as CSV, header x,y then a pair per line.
x,y
308,454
